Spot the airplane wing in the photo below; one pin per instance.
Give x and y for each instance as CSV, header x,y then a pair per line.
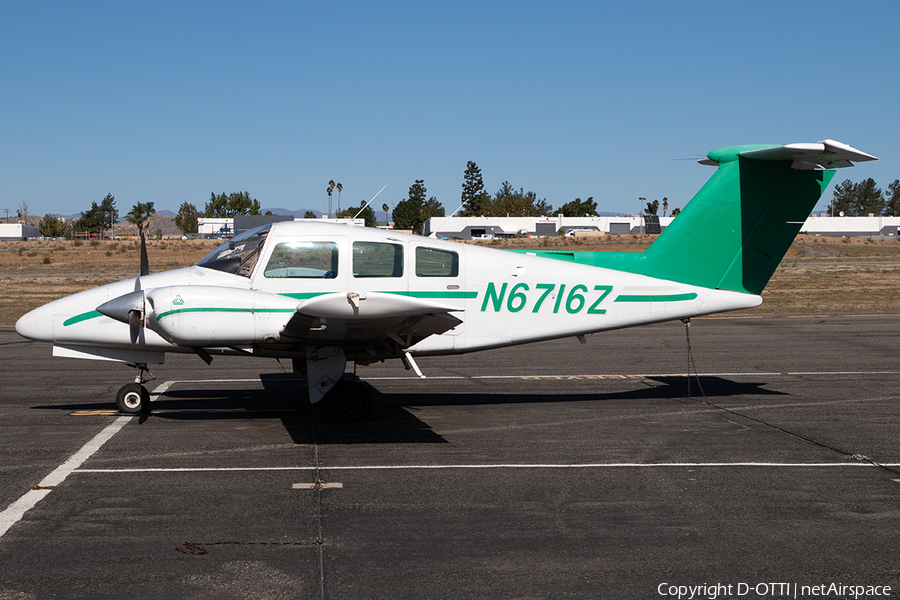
x,y
378,324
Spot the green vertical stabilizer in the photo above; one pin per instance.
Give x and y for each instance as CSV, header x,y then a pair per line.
x,y
734,232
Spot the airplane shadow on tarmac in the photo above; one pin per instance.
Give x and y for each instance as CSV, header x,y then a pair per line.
x,y
393,419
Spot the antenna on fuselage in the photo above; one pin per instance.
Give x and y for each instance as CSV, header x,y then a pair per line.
x,y
434,233
370,201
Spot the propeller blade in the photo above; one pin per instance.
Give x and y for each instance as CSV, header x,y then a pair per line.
x,y
145,263
134,325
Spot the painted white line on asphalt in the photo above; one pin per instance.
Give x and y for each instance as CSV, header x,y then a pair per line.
x,y
637,375
491,466
160,389
14,513
600,376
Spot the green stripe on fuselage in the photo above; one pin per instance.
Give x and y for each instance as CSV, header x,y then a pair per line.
x,y
85,316
655,297
169,313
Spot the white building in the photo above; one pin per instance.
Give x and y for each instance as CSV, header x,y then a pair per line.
x,y
478,227
18,231
486,227
224,227
851,226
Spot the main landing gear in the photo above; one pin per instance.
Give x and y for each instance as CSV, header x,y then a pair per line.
x,y
349,401
133,398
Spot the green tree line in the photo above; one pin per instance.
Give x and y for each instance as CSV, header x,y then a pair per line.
x,y
865,198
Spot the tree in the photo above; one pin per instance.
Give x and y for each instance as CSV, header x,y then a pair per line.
x,y
857,199
309,215
339,189
432,208
330,189
652,208
414,211
186,219
892,203
579,208
510,202
231,205
675,212
54,227
99,216
367,214
139,214
542,208
387,218
476,202
869,198
665,205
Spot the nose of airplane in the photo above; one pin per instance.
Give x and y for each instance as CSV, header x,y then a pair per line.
x,y
37,325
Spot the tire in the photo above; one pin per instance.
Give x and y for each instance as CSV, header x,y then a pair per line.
x,y
133,399
349,402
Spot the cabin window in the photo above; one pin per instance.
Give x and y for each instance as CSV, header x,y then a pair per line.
x,y
239,254
310,260
377,259
431,262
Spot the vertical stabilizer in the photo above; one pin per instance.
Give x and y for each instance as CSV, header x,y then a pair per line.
x,y
735,231
733,234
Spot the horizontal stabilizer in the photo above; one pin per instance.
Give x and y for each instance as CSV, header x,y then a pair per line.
x,y
827,154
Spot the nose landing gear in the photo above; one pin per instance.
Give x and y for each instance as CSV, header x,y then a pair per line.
x,y
133,398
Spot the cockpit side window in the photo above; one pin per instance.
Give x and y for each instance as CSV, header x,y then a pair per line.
x,y
377,259
239,254
431,262
310,260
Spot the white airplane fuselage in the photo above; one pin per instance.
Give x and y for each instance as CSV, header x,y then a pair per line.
x,y
501,297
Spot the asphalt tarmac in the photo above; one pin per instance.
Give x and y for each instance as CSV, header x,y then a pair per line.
x,y
555,470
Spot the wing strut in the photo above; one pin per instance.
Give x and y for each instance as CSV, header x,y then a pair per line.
x,y
410,363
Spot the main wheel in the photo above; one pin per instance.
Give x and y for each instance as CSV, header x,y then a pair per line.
x,y
349,402
133,399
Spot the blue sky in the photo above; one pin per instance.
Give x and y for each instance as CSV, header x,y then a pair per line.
x,y
170,101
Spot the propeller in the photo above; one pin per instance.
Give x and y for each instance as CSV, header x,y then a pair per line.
x,y
126,309
129,308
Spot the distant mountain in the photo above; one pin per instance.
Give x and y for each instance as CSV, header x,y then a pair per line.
x,y
294,213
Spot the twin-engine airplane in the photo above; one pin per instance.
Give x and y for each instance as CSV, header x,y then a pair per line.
x,y
322,294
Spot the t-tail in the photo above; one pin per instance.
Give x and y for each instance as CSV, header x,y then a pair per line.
x,y
733,234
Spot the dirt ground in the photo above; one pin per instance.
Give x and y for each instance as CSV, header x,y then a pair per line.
x,y
819,275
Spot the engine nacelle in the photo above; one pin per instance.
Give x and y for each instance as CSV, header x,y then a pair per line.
x,y
211,316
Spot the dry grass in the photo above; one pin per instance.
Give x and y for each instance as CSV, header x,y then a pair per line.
x,y
34,273
818,276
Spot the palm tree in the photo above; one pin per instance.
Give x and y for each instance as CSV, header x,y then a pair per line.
x,y
331,185
339,187
139,214
384,207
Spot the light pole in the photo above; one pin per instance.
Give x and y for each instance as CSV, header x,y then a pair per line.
x,y
641,213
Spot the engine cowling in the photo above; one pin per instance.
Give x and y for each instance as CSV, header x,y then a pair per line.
x,y
211,316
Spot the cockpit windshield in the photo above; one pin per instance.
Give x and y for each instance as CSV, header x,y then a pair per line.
x,y
239,254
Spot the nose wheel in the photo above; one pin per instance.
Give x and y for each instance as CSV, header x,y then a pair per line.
x,y
133,398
